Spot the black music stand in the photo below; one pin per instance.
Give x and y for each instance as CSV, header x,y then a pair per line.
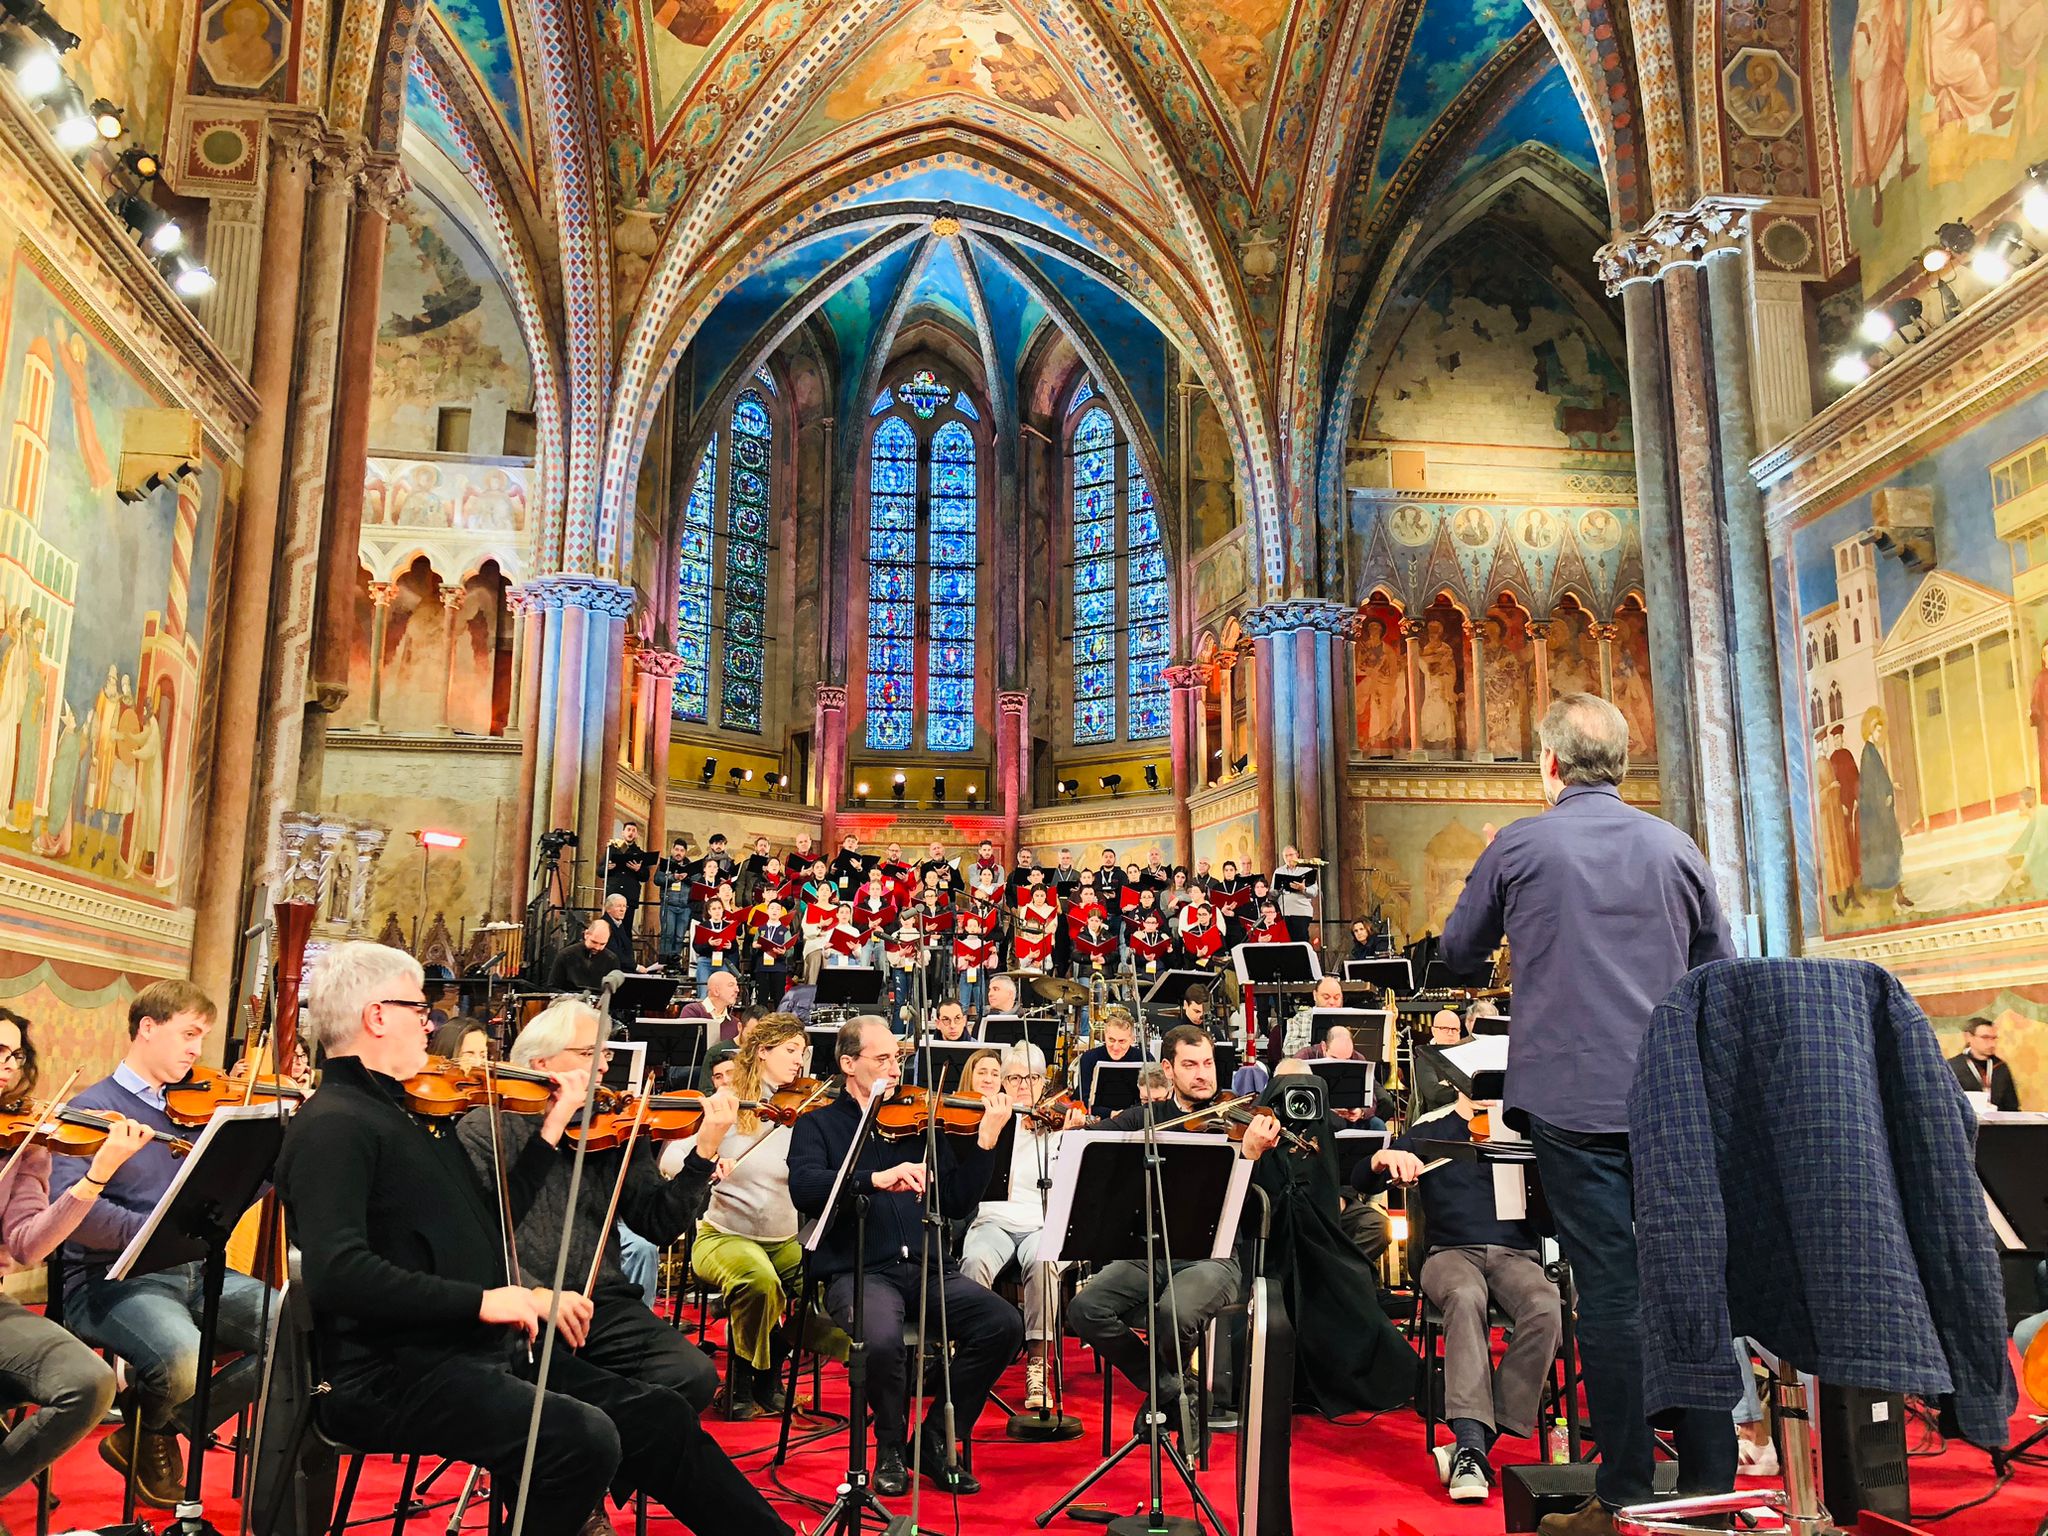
x,y
1114,1086
1465,1069
641,993
1276,964
2012,1152
1116,1219
948,1061
221,1178
1394,975
1166,992
1368,1028
1041,1030
1348,1084
672,1044
824,1040
848,986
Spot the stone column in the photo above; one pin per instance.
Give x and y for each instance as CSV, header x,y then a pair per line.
x,y
1201,749
1013,767
1263,748
1606,635
1307,639
1189,691
536,731
1311,738
381,595
515,613
828,761
246,633
380,195
1781,378
1411,638
1475,695
235,250
658,671
1539,656
1226,712
452,594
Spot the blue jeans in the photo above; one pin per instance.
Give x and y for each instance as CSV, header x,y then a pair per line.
x,y
972,995
705,966
641,1261
899,997
1588,1180
675,927
152,1322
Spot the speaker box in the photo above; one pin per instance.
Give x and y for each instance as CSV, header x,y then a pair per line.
x,y
1863,1452
1529,1493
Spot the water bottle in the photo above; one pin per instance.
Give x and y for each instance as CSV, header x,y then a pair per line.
x,y
1560,1442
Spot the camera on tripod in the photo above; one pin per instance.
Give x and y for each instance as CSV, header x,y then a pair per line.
x,y
553,842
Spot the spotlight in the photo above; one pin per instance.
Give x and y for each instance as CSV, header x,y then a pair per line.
x,y
1851,368
1957,239
860,793
1114,783
37,72
107,118
1876,327
748,776
2034,201
733,776
897,788
710,769
140,164
1242,763
1071,788
155,228
74,130
167,237
191,280
1151,775
48,28
1990,264
1934,259
1907,319
938,789
972,791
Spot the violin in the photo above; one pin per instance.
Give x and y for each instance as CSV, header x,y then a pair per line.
x,y
1234,1117
1052,1111
441,1089
193,1101
73,1132
909,1112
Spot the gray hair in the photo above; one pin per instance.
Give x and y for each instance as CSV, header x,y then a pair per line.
x,y
1023,1056
1588,736
550,1032
352,976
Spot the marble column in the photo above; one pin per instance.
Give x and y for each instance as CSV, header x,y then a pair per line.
x,y
1308,642
1013,710
1263,751
1226,713
1605,635
452,594
381,595
381,190
1186,700
1201,749
657,671
529,643
1475,696
1411,643
245,638
828,761
1540,631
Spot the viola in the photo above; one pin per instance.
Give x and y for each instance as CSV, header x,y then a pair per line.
x,y
73,1132
909,1111
193,1101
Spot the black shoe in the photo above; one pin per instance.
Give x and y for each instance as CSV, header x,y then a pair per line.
x,y
956,1479
890,1479
737,1397
768,1390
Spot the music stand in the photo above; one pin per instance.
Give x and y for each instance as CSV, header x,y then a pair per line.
x,y
221,1178
848,986
1369,1028
1348,1084
824,1049
1114,1086
1478,1068
1394,975
1116,1220
1491,1024
1042,1030
671,1043
949,1061
1273,964
1166,993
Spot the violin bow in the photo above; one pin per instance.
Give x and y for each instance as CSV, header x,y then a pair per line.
x,y
511,1247
49,1107
618,1189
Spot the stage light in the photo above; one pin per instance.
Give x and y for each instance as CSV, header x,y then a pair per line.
x,y
441,839
107,118
1151,775
1990,265
1071,788
1934,259
972,791
939,789
47,27
140,164
710,769
1114,783
167,237
860,793
1241,764
37,70
2034,201
1851,368
1876,327
897,788
74,130
190,279
1907,319
734,776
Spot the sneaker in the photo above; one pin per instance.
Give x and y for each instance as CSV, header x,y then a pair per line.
x,y
1034,1385
1591,1518
1756,1460
1444,1455
955,1479
890,1479
1470,1480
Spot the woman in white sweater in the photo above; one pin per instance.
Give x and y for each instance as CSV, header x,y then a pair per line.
x,y
746,1243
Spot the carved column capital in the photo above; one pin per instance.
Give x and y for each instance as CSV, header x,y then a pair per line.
x,y
1411,629
832,696
452,594
1608,633
384,185
383,593
1684,237
657,663
1298,613
1192,675
1012,701
1541,629
337,163
295,139
608,598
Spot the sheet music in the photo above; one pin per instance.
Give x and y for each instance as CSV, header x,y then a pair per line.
x,y
1059,1205
1482,1053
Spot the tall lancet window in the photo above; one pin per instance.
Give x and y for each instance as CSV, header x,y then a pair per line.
x,y
722,571
924,543
1120,620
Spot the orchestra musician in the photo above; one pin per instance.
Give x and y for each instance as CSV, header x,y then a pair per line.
x,y
421,1337
1329,993
152,1321
1002,995
618,917
622,1336
583,967
1119,1039
1605,907
986,1330
1106,1309
41,1363
747,1239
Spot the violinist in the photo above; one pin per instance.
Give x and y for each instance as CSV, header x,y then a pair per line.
x,y
421,1332
623,1336
152,1321
40,1362
582,967
464,1042
986,1330
747,1239
1106,1309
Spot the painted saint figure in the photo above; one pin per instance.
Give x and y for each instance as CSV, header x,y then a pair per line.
x,y
1877,87
1439,700
1507,685
1884,849
1382,690
1837,859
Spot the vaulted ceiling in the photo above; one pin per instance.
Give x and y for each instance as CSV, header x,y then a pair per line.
x,y
1174,141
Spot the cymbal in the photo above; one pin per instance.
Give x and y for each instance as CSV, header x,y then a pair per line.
x,y
1056,989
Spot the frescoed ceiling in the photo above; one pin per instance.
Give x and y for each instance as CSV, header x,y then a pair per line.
x,y
486,38
1454,40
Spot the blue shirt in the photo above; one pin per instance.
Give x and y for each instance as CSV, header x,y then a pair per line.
x,y
112,1221
1604,908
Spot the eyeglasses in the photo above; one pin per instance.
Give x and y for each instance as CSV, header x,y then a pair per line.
x,y
1023,1077
418,1006
888,1055
12,1059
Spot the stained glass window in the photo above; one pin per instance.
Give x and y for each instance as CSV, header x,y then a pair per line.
x,y
923,578
923,393
950,558
1082,395
746,563
1121,630
892,584
1095,619
693,589
965,406
767,379
882,403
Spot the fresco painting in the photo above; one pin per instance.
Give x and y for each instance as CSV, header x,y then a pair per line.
x,y
450,337
127,51
1454,40
1380,661
1921,716
101,608
482,29
1548,114
1236,44
1942,108
1420,855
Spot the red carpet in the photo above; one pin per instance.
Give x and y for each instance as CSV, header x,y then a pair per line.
x,y
1368,1479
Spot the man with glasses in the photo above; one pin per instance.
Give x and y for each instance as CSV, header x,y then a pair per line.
x,y
985,1329
1009,1228
152,1321
625,1337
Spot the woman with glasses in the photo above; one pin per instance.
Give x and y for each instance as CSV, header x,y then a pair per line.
x,y
464,1042
1008,1228
746,1242
39,1361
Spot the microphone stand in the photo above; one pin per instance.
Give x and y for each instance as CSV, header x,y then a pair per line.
x,y
934,1232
